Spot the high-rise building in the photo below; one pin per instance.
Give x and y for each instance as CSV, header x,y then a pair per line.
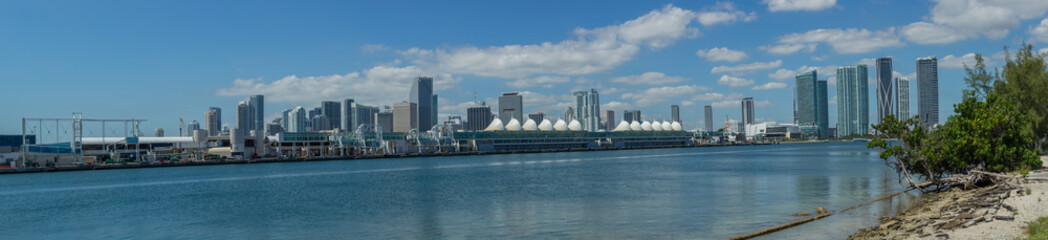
x,y
405,116
822,109
587,109
346,116
928,91
631,115
537,117
675,113
478,118
213,121
296,121
511,106
159,132
709,118
191,128
320,123
257,104
747,111
364,114
422,96
333,111
569,114
902,84
806,106
384,120
285,117
885,88
853,104
245,117
435,110
274,128
609,120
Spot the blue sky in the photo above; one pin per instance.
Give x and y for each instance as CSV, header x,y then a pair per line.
x,y
161,60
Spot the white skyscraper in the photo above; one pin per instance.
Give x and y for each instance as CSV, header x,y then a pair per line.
x,y
587,109
902,84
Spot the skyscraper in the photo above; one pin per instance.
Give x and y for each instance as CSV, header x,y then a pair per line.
x,y
569,114
587,109
853,104
346,116
747,111
433,112
537,117
333,111
822,109
631,115
511,106
213,121
709,118
192,127
806,106
884,88
257,104
902,84
478,118
675,113
609,120
384,120
404,116
928,91
364,114
245,117
422,96
296,121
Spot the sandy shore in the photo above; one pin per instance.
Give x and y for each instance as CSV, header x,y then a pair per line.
x,y
995,212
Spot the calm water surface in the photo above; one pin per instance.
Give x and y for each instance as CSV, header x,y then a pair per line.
x,y
693,193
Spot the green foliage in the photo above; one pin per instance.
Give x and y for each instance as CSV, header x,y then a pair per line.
x,y
1024,82
1038,229
980,82
990,135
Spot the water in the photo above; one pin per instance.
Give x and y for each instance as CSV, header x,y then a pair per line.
x,y
695,193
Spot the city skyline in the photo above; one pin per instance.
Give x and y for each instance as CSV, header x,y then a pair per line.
x,y
693,61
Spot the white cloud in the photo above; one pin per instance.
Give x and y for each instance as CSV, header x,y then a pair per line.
x,y
746,68
721,54
1043,51
379,85
783,49
723,13
1040,32
650,78
958,62
686,103
956,20
928,33
786,74
738,104
846,41
734,81
543,81
798,5
616,106
832,101
662,94
770,85
593,50
712,96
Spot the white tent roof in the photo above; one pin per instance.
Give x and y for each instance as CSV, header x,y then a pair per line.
x,y
496,125
635,126
530,125
623,126
560,125
677,127
513,125
656,126
575,125
666,126
546,125
645,126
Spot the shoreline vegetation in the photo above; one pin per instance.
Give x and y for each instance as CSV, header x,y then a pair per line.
x,y
989,182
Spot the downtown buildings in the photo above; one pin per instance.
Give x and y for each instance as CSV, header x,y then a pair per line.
x,y
885,88
928,91
587,109
853,100
511,106
812,105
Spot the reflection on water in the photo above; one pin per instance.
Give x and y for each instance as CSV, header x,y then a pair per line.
x,y
704,193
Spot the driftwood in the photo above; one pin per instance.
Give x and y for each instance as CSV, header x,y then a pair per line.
x,y
770,230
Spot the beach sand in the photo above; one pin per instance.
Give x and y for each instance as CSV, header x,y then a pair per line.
x,y
995,212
